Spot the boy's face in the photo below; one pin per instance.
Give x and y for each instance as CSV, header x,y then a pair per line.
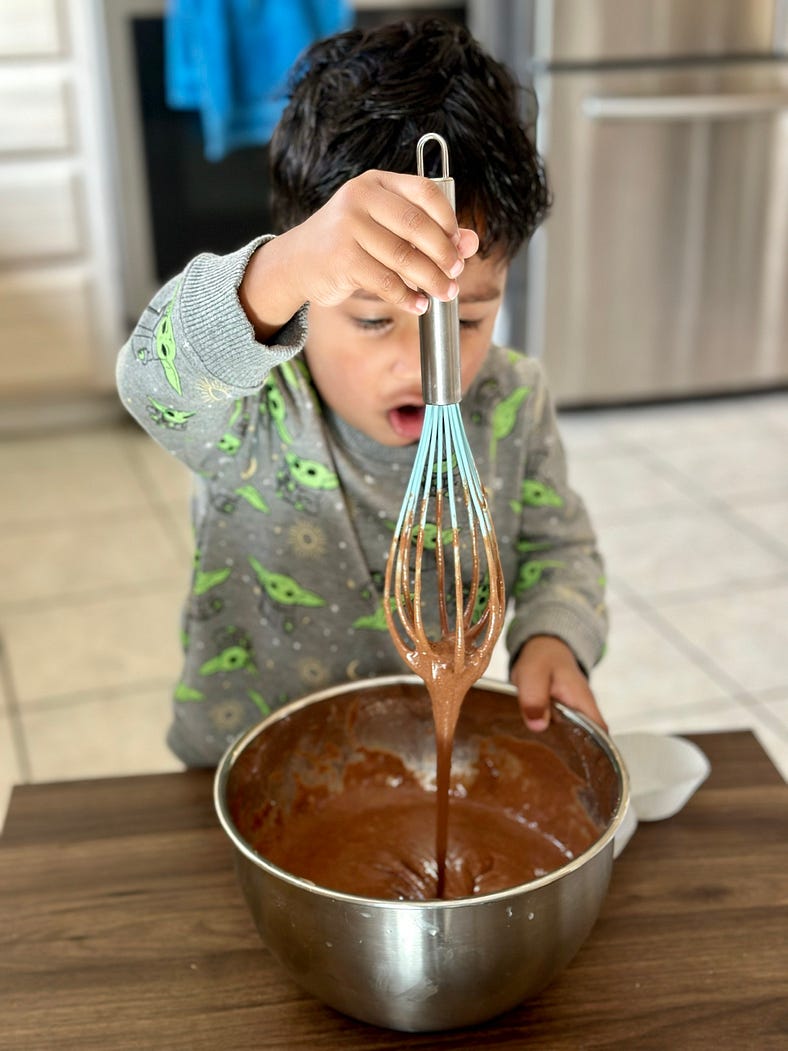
x,y
364,354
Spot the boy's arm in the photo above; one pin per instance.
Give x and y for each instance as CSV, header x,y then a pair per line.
x,y
193,357
559,626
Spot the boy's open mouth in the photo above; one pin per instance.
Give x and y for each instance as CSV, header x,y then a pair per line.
x,y
407,420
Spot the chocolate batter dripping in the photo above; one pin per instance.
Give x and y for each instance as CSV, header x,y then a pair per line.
x,y
452,664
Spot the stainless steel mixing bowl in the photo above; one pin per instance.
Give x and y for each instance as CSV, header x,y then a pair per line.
x,y
419,966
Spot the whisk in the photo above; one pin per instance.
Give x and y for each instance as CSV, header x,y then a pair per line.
x,y
444,512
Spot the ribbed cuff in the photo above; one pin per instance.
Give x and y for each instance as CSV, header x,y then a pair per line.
x,y
217,329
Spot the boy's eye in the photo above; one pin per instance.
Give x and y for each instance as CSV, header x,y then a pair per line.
x,y
378,324
371,324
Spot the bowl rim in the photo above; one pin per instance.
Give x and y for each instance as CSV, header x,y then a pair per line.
x,y
232,753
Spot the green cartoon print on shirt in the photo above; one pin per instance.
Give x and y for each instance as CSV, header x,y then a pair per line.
x,y
230,442
204,580
172,419
232,658
258,699
205,602
300,479
290,370
504,417
482,598
310,473
235,654
299,380
273,404
536,494
524,546
226,503
430,534
165,349
185,693
283,589
253,497
375,621
480,602
531,573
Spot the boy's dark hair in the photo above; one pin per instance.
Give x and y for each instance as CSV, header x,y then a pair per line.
x,y
362,99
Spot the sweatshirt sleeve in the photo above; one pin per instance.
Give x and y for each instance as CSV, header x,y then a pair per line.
x,y
193,360
559,588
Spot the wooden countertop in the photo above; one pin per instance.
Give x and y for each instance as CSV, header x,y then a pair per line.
x,y
122,927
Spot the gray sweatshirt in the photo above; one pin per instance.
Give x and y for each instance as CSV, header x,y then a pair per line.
x,y
294,510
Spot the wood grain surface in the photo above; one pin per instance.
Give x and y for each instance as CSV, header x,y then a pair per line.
x,y
122,928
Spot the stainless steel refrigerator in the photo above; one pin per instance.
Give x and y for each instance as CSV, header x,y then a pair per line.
x,y
663,268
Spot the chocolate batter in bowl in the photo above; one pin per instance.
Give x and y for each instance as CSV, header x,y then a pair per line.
x,y
330,804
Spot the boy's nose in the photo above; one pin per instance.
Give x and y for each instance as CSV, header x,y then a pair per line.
x,y
407,357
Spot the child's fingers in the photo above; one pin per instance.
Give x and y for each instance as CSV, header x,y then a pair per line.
x,y
421,219
426,222
404,265
533,693
468,244
415,194
372,275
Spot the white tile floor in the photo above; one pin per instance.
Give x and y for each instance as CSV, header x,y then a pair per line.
x,y
690,501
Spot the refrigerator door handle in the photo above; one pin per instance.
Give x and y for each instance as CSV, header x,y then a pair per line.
x,y
684,107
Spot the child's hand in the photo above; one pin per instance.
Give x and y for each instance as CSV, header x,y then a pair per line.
x,y
394,236
386,234
546,670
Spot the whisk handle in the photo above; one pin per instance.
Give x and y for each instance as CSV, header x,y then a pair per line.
x,y
439,326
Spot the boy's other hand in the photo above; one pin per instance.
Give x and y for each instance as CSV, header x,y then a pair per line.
x,y
394,236
546,670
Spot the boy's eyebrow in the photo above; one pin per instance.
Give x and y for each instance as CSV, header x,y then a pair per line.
x,y
481,295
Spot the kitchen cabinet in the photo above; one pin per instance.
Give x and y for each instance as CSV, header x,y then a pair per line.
x,y
59,306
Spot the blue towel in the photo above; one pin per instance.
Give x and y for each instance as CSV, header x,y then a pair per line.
x,y
229,59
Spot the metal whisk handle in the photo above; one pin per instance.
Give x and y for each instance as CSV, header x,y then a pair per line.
x,y
439,326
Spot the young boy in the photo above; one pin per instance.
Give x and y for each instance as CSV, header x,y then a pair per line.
x,y
286,376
